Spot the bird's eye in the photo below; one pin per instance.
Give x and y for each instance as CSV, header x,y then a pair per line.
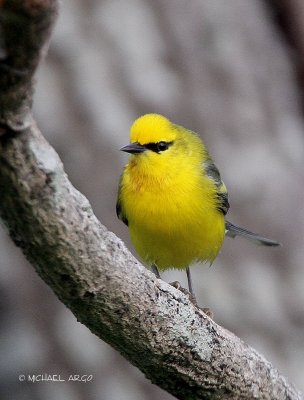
x,y
158,147
161,146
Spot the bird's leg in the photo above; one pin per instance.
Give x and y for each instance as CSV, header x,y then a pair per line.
x,y
206,310
155,271
189,292
190,286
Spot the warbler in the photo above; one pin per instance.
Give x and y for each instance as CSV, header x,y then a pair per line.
x,y
172,198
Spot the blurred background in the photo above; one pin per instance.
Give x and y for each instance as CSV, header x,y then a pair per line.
x,y
232,71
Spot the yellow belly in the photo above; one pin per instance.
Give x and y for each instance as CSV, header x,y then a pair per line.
x,y
174,225
178,247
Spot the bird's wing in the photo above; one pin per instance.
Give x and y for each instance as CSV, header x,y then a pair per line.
x,y
223,205
119,207
120,214
221,191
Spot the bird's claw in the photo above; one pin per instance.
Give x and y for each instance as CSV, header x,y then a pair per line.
x,y
177,285
206,310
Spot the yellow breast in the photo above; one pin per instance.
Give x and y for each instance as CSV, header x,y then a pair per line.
x,y
172,214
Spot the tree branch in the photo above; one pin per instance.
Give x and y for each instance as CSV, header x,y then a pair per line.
x,y
152,324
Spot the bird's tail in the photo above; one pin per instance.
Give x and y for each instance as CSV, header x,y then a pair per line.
x,y
234,230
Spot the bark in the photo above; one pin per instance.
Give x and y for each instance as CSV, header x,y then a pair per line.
x,y
152,324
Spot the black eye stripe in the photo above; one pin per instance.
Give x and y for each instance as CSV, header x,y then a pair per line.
x,y
158,147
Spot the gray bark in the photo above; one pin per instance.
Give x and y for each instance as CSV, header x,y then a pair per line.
x,y
152,324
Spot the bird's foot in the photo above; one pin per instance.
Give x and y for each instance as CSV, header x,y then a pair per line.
x,y
206,310
177,285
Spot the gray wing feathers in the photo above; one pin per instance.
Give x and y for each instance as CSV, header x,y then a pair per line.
x,y
223,206
222,196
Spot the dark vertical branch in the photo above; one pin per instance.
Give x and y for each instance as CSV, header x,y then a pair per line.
x,y
25,30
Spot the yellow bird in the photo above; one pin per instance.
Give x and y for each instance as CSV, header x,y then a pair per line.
x,y
172,198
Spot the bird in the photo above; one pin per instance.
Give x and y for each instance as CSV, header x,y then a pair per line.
x,y
172,198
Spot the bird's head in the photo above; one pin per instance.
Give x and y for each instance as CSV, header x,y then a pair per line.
x,y
156,142
151,135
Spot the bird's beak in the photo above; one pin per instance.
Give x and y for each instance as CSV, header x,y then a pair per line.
x,y
133,148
